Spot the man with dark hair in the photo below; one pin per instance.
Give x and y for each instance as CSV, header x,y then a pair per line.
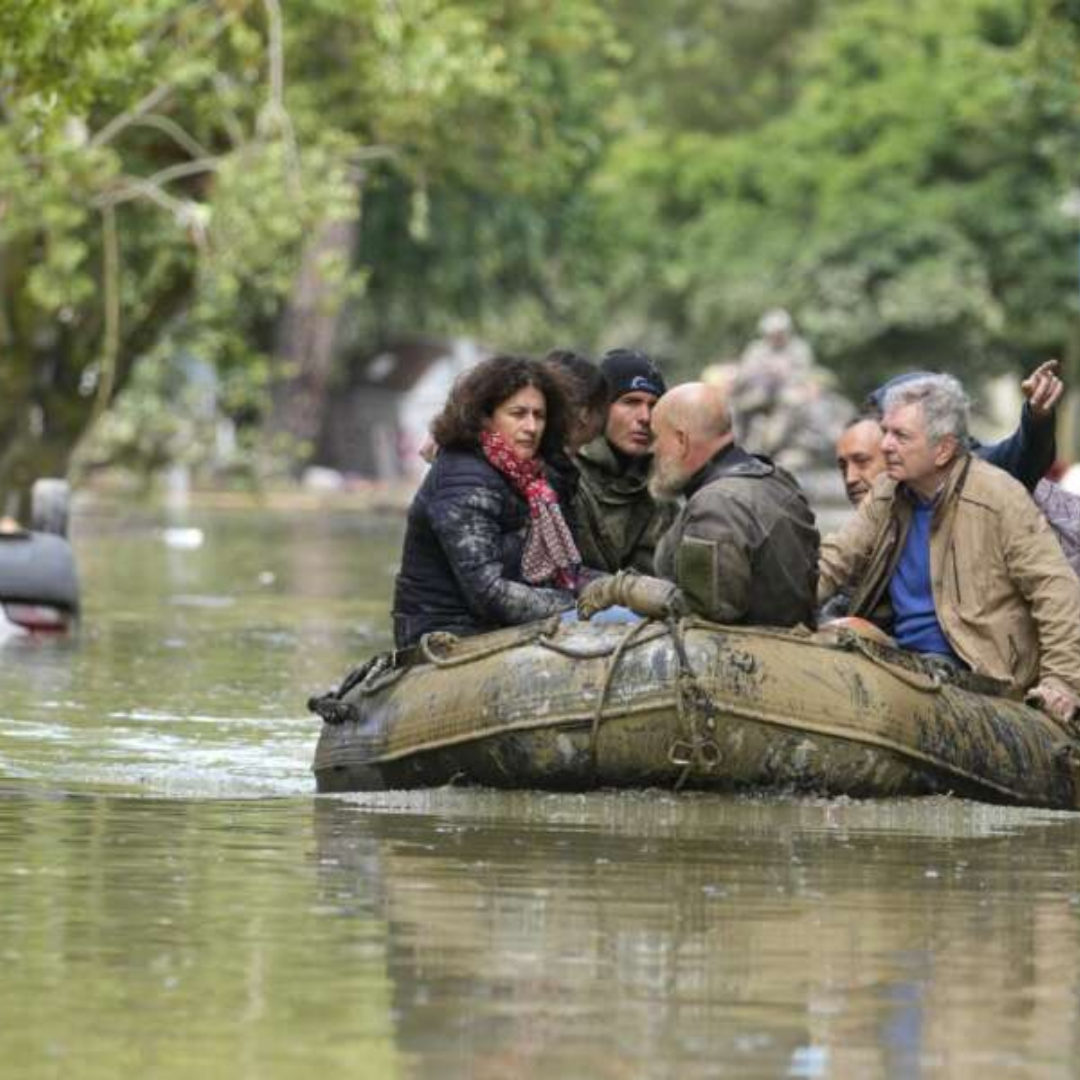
x,y
859,457
617,521
955,557
743,546
589,395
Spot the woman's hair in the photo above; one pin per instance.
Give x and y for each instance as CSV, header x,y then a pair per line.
x,y
587,383
477,392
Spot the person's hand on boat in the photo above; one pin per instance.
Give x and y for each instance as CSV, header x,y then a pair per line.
x,y
1043,389
1058,703
649,596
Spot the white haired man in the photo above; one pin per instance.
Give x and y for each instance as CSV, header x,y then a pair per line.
x,y
957,557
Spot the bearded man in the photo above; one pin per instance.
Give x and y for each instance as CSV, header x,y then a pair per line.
x,y
743,547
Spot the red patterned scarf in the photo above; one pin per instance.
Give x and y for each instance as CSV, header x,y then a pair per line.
x,y
550,552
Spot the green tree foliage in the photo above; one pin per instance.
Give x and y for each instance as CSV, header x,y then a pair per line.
x,y
164,209
468,225
156,188
532,173
903,200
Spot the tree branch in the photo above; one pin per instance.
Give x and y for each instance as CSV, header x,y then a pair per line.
x,y
170,127
185,168
125,119
136,187
110,338
275,110
122,120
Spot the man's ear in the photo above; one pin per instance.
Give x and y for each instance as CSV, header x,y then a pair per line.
x,y
946,450
684,443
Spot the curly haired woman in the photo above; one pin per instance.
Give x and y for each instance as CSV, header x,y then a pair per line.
x,y
486,543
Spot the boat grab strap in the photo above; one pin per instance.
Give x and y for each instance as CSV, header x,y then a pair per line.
x,y
930,675
929,681
610,665
544,634
695,709
429,642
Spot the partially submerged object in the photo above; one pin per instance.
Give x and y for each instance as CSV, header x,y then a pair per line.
x,y
689,704
39,589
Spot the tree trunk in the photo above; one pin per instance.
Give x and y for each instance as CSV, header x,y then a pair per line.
x,y
307,337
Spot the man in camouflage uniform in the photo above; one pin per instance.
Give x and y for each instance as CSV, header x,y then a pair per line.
x,y
617,520
743,547
783,402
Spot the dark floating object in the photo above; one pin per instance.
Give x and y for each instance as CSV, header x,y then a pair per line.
x,y
39,589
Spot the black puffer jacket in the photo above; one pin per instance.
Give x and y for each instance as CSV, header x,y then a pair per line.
x,y
461,561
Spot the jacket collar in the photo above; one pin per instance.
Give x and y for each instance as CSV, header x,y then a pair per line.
x,y
602,454
951,487
733,460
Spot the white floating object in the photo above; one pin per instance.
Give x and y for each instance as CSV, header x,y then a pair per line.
x,y
182,539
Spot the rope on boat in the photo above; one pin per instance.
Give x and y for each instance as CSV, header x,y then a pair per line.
x,y
693,705
439,637
609,674
656,630
931,682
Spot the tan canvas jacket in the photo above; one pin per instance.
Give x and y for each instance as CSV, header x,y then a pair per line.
x,y
1006,598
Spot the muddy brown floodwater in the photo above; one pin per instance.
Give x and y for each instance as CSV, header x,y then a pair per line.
x,y
176,902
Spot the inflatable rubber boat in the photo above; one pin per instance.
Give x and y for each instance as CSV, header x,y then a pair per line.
x,y
575,706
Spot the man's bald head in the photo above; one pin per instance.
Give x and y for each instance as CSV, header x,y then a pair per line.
x,y
697,409
691,423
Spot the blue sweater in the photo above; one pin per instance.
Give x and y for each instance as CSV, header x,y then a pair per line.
x,y
916,625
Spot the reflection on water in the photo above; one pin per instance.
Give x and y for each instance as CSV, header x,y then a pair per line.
x,y
622,935
149,938
174,902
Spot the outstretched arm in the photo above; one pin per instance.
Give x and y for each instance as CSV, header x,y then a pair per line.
x,y
1030,450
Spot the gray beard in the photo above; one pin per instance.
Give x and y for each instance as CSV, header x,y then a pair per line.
x,y
666,492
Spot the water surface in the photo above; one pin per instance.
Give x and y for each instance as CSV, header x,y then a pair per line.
x,y
174,901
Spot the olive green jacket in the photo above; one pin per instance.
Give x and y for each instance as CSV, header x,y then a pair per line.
x,y
1006,597
744,547
617,522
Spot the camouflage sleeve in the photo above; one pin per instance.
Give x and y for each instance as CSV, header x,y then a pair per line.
x,y
468,525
